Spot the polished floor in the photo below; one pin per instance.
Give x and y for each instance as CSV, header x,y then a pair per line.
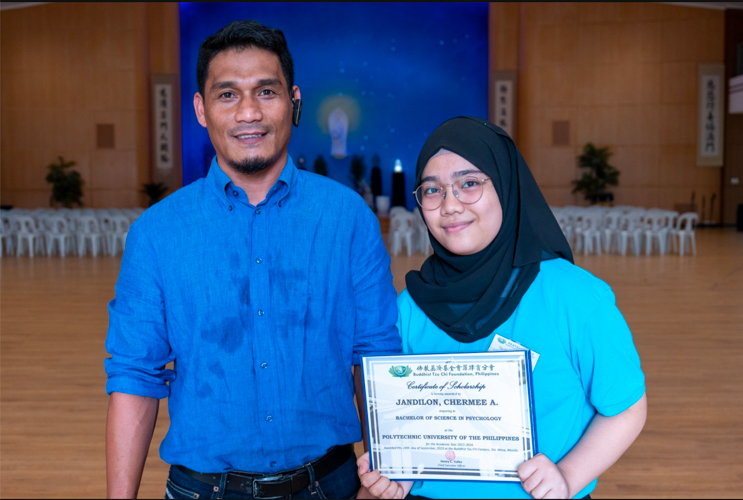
x,y
686,314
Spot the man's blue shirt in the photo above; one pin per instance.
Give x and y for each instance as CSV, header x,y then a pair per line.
x,y
263,309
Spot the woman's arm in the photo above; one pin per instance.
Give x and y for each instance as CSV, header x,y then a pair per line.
x,y
605,440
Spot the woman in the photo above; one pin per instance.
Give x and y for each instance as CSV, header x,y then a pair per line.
x,y
502,266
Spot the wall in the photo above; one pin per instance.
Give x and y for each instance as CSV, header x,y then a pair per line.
x,y
399,70
65,68
732,194
624,76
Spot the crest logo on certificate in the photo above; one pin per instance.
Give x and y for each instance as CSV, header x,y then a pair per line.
x,y
467,417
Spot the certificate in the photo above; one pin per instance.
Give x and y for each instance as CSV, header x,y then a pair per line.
x,y
466,417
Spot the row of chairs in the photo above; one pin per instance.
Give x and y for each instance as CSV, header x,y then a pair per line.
x,y
62,231
596,229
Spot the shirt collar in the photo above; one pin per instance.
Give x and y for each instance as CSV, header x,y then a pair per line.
x,y
220,181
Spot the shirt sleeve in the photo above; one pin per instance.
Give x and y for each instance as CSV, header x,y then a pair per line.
x,y
608,363
374,295
137,333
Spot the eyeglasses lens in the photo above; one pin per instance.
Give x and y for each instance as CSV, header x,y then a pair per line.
x,y
430,195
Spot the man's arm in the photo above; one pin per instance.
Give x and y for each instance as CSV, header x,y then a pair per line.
x,y
137,341
358,386
129,427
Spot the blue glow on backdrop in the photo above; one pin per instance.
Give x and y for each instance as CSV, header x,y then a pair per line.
x,y
397,70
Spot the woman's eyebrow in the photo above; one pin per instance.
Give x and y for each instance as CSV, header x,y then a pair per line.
x,y
462,173
430,178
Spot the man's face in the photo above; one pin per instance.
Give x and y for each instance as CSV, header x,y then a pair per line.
x,y
247,109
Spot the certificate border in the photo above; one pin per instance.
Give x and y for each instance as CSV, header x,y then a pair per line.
x,y
527,371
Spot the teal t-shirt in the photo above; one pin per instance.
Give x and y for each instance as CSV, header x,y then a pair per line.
x,y
587,363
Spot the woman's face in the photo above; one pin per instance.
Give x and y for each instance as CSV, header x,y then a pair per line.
x,y
463,229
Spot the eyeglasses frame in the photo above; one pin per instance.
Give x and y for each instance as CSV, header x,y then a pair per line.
x,y
486,179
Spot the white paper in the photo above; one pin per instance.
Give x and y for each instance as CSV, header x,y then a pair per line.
x,y
450,417
504,344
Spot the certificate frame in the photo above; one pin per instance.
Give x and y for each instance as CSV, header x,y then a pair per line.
x,y
477,461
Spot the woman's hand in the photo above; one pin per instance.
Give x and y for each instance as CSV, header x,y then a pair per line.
x,y
542,478
376,485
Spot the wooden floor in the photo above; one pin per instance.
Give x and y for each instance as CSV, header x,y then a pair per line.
x,y
686,315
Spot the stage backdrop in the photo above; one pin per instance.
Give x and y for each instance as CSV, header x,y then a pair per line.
x,y
395,70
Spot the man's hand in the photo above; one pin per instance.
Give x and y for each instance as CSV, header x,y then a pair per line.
x,y
375,485
542,478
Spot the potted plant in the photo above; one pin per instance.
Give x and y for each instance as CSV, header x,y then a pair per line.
x,y
154,191
67,187
600,174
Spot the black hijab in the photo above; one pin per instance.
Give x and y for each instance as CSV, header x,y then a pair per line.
x,y
464,294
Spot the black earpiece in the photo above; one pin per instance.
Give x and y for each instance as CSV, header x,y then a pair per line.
x,y
297,113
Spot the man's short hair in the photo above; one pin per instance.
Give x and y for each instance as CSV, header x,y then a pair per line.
x,y
243,35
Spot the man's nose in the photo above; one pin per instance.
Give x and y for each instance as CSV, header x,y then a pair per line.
x,y
249,110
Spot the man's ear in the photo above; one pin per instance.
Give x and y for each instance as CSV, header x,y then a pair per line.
x,y
296,105
198,106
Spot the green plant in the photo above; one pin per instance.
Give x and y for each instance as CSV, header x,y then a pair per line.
x,y
154,191
600,174
320,166
67,187
358,171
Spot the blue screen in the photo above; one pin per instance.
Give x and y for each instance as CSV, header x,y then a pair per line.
x,y
399,70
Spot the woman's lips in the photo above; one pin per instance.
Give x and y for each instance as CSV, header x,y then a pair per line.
x,y
456,227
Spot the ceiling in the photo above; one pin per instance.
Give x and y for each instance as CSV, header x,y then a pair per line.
x,y
706,5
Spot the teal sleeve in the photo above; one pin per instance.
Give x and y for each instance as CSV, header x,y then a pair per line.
x,y
608,363
403,316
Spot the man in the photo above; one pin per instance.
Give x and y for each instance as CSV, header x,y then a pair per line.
x,y
264,285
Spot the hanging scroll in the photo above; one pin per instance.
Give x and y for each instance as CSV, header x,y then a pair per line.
x,y
710,128
505,101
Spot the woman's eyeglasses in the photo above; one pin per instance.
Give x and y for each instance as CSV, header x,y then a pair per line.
x,y
431,195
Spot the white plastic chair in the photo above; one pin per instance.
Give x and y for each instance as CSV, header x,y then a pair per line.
x,y
8,232
588,232
26,232
686,223
59,232
672,223
630,230
106,227
610,229
88,230
402,228
422,242
2,239
118,233
563,221
655,230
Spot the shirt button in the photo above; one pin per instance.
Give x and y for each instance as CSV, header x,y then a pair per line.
x,y
234,193
269,418
258,260
264,365
258,210
279,204
229,208
273,464
261,313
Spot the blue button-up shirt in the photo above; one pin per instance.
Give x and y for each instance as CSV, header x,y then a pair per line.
x,y
264,309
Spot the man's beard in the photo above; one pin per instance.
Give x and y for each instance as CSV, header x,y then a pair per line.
x,y
250,166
